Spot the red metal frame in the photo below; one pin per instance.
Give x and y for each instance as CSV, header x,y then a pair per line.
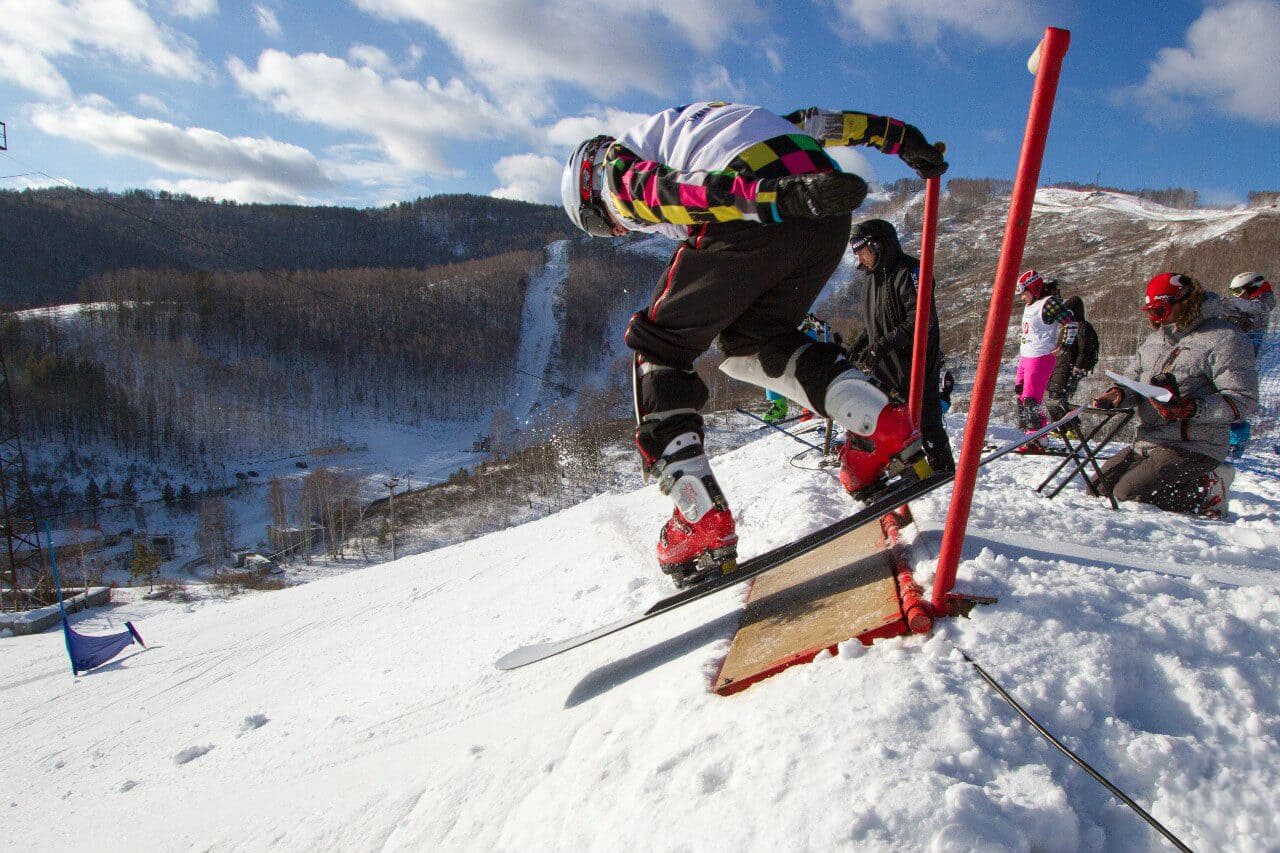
x,y
924,298
1051,51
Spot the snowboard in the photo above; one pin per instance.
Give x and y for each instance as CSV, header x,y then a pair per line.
x,y
762,563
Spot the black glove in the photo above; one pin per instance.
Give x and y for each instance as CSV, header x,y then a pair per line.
x,y
1017,389
814,196
917,153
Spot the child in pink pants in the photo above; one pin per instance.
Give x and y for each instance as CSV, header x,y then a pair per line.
x,y
1042,322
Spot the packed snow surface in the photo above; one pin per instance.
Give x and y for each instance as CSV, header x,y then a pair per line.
x,y
363,712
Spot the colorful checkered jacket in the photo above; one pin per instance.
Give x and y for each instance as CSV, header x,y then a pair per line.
x,y
717,162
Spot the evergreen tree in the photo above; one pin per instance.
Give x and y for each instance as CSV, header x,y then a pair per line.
x,y
168,495
129,491
185,497
93,494
145,563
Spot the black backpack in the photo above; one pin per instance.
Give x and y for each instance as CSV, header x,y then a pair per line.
x,y
1087,341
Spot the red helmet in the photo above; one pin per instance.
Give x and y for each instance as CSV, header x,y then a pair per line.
x,y
1163,292
1031,282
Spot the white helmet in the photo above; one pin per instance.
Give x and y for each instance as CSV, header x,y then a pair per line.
x,y
581,187
1248,282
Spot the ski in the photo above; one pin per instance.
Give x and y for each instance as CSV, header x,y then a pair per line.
x,y
762,563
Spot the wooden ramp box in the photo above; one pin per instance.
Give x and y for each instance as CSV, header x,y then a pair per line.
x,y
842,590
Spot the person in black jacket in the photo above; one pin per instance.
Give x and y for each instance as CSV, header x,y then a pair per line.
x,y
1077,356
883,347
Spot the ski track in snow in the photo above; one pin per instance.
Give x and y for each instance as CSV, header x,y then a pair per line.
x,y
538,334
363,712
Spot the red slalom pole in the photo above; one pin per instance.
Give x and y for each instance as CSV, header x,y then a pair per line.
x,y
924,297
1046,64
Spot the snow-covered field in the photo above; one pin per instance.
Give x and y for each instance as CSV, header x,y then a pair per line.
x,y
362,712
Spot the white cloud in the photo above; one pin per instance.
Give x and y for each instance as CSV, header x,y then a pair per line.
x,y
192,8
371,57
152,104
275,169
245,191
1230,63
569,131
33,36
529,177
408,120
606,46
853,160
715,84
923,21
267,21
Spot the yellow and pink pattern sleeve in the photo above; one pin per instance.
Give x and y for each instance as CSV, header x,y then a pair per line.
x,y
848,127
647,191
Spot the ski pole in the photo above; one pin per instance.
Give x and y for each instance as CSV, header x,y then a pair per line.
x,y
781,430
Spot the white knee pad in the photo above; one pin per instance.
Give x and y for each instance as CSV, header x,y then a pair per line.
x,y
855,403
747,368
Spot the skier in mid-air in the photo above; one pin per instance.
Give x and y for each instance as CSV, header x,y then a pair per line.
x,y
762,213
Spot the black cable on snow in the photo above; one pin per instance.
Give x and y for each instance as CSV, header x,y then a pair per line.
x,y
230,256
819,469
1106,783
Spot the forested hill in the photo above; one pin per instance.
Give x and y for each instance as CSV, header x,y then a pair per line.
x,y
53,240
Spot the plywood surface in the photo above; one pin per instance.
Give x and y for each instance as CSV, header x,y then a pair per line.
x,y
832,594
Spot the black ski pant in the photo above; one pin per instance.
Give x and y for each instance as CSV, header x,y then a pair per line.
x,y
933,433
748,285
1166,477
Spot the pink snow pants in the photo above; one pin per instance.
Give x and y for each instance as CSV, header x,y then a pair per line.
x,y
1033,375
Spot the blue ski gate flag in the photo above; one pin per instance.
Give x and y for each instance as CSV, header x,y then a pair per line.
x,y
88,652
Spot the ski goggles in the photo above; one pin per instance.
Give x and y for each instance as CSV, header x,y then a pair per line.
x,y
592,213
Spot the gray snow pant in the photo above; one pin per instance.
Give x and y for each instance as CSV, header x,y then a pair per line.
x,y
1166,477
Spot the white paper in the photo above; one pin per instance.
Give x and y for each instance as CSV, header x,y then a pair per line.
x,y
1155,392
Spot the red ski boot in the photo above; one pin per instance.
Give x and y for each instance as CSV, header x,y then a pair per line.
x,y
893,449
699,540
698,551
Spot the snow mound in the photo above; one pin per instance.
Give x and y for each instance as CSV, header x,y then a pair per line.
x,y
363,711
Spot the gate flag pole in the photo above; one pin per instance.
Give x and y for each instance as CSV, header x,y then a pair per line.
x,y
924,297
1046,64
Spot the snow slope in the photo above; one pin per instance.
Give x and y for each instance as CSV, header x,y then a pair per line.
x,y
538,333
362,712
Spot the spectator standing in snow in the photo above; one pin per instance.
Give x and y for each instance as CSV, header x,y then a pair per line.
x,y
1042,319
1076,356
1249,307
885,345
1209,368
762,213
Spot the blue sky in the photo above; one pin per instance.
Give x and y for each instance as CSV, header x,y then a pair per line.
x,y
367,102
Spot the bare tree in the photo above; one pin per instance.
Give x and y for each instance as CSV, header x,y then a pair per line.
x,y
214,530
277,503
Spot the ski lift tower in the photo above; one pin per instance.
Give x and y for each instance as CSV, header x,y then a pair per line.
x,y
18,524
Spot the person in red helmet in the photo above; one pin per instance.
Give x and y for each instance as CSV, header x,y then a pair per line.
x,y
1042,319
762,213
1208,366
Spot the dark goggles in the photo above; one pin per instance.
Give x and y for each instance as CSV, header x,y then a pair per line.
x,y
592,212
